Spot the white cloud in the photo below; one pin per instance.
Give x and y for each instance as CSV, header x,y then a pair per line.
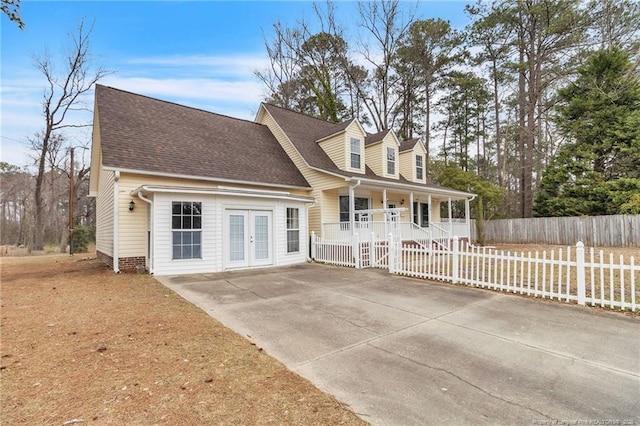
x,y
232,67
221,84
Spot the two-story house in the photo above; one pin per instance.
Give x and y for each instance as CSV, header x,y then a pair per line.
x,y
182,190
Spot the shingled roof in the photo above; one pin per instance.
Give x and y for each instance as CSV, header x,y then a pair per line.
x,y
408,145
150,135
304,131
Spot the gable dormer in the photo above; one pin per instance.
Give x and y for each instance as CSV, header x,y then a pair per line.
x,y
383,154
413,157
345,147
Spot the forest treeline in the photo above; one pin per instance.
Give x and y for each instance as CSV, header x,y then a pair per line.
x,y
535,103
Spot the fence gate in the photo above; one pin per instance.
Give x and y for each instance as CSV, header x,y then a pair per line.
x,y
380,243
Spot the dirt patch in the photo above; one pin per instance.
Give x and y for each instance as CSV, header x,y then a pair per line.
x,y
81,344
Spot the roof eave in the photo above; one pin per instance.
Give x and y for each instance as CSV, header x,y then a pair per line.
x,y
205,178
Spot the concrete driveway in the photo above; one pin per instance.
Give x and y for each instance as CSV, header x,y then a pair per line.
x,y
402,351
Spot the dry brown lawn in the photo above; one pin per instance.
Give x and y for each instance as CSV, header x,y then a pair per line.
x,y
81,345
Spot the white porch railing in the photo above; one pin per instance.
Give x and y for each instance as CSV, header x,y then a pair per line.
x,y
455,227
409,231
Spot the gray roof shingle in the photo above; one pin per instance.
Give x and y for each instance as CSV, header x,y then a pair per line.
x,y
303,131
141,133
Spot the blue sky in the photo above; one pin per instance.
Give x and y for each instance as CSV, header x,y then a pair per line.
x,y
197,53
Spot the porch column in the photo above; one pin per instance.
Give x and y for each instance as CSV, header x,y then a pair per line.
x,y
352,210
467,217
429,213
384,198
411,207
450,221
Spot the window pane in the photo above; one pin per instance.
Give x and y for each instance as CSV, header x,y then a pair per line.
x,y
197,208
197,254
236,237
187,252
293,241
261,237
186,208
176,208
186,222
197,237
197,222
177,252
176,222
292,218
361,203
176,238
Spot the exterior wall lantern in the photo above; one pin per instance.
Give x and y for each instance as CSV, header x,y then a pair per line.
x,y
132,205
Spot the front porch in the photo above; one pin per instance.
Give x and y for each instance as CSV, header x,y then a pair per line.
x,y
440,232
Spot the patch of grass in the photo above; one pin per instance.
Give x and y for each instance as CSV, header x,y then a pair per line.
x,y
81,343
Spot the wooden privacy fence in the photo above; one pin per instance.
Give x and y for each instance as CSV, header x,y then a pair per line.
x,y
593,231
571,275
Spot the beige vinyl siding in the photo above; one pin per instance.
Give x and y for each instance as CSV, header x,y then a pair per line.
x,y
375,158
389,141
335,148
408,164
104,211
132,226
354,131
331,206
319,181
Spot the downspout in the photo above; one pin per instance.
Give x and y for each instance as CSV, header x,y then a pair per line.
x,y
309,205
116,216
151,233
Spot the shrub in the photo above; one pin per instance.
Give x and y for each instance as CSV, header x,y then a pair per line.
x,y
82,236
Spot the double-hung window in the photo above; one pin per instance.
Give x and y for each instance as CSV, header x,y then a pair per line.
x,y
356,153
391,161
186,230
360,204
419,168
293,230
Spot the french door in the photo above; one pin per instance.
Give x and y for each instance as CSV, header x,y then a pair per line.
x,y
248,238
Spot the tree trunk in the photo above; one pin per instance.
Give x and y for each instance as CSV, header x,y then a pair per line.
x,y
480,220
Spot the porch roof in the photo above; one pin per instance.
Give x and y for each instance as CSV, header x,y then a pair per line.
x,y
404,185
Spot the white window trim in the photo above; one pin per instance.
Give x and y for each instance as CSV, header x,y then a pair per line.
x,y
359,153
391,149
421,167
187,230
287,229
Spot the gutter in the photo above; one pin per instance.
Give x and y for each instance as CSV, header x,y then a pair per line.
x,y
309,205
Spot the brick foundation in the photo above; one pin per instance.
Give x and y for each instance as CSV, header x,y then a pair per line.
x,y
105,258
125,264
132,264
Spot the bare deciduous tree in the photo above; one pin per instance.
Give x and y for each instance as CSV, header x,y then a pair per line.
x,y
62,95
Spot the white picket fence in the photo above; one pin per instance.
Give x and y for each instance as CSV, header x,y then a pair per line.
x,y
568,275
335,252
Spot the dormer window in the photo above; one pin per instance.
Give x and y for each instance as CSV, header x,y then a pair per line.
x,y
419,168
391,161
356,153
